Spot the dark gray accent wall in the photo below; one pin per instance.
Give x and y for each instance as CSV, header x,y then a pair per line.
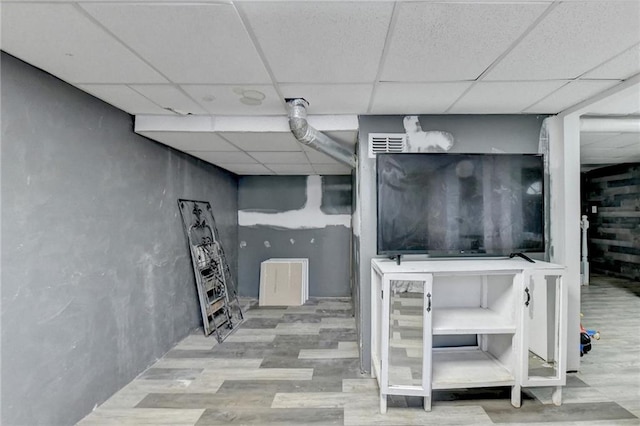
x,y
472,134
336,195
96,279
614,230
273,194
326,247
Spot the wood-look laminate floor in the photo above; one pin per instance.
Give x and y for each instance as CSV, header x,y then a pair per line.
x,y
299,366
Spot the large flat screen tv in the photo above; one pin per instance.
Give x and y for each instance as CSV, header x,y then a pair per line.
x,y
446,204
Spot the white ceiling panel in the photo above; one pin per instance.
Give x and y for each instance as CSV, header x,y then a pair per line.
x,y
189,43
317,157
292,169
570,94
263,141
247,169
590,160
237,99
503,97
416,98
588,138
625,104
123,97
610,155
331,98
622,66
61,40
347,138
320,42
218,157
453,41
191,141
625,140
574,38
280,157
168,96
331,169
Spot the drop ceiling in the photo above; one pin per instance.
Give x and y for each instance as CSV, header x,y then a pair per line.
x,y
209,77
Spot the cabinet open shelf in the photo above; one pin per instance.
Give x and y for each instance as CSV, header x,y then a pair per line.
x,y
470,321
462,368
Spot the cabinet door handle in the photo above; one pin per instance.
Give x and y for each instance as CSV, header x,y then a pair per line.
x,y
428,302
526,290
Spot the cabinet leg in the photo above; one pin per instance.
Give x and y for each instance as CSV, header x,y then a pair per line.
x,y
427,403
383,403
556,396
516,396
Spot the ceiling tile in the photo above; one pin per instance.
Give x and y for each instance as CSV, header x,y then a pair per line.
x,y
217,157
588,138
574,38
123,97
586,159
280,157
321,42
569,95
247,169
503,97
331,98
237,100
189,43
347,138
292,169
317,157
331,169
191,141
263,141
629,141
168,96
599,156
627,103
62,41
622,66
453,41
416,98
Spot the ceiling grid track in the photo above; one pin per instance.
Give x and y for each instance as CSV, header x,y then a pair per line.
x,y
254,39
179,66
87,15
517,41
383,56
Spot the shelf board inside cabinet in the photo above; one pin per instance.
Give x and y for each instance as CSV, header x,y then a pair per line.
x,y
468,368
470,321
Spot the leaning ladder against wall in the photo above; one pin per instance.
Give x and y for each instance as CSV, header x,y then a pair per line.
x,y
221,313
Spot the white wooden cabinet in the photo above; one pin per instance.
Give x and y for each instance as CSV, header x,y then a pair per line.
x,y
457,324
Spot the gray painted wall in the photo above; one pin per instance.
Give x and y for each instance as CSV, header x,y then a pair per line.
x,y
272,236
472,134
96,279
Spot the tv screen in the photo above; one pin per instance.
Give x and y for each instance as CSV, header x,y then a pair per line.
x,y
460,204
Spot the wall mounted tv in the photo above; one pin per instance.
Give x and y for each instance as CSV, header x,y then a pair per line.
x,y
446,204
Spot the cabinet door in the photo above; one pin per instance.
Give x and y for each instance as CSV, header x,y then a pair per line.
x,y
409,334
544,325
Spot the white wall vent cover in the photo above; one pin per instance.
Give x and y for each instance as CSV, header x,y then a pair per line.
x,y
387,142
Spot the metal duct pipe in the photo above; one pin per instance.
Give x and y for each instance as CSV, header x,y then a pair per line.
x,y
312,137
610,124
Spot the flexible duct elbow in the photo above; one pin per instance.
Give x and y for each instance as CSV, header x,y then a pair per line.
x,y
307,135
